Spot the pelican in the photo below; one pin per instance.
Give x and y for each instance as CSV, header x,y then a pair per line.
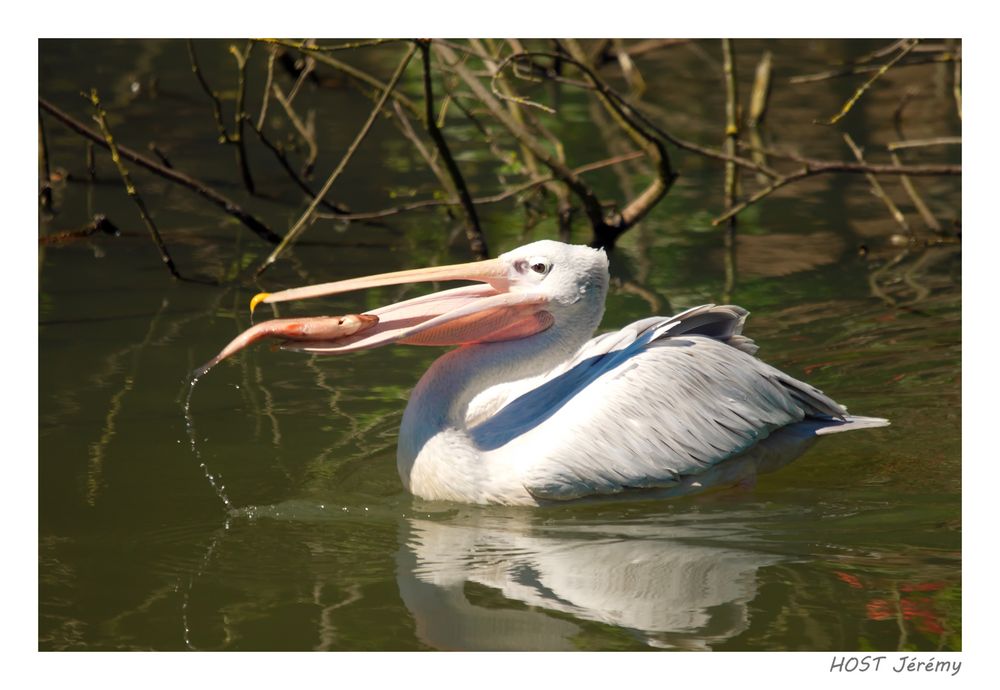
x,y
531,409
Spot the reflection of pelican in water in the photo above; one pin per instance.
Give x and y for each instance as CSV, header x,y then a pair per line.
x,y
466,582
669,582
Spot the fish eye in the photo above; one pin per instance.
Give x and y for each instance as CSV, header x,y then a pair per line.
x,y
540,265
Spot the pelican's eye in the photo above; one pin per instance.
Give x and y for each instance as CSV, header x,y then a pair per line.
x,y
540,265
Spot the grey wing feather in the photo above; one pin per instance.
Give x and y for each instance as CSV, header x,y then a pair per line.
x,y
661,399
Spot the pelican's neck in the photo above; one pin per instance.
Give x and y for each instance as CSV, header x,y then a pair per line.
x,y
439,404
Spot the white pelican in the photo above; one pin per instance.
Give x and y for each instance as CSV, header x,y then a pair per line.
x,y
530,409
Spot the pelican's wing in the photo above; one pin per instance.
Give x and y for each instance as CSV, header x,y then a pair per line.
x,y
642,407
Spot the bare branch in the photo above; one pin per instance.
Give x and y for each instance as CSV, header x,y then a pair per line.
x,y
868,69
608,229
236,136
305,45
864,87
919,143
306,130
929,220
813,167
473,233
495,198
45,183
272,54
200,188
300,225
212,96
731,180
878,190
591,204
101,117
359,75
287,166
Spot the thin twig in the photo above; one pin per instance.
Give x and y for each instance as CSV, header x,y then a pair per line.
x,y
609,228
705,151
591,204
629,70
526,118
359,75
101,117
155,150
878,190
929,220
287,166
306,130
300,225
237,139
473,233
234,138
265,98
212,96
879,52
99,223
817,165
430,157
479,201
200,188
812,167
957,88
731,181
867,69
641,47
864,87
91,163
45,183
761,91
919,143
308,68
732,122
331,49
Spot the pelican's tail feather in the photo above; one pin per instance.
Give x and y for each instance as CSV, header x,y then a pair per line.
x,y
850,423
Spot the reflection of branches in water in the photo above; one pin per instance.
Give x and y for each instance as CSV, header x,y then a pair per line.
x,y
216,539
906,268
356,430
327,630
95,465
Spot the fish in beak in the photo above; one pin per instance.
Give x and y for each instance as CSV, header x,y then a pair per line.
x,y
492,311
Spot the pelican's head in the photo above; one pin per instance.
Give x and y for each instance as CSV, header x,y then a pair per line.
x,y
569,275
520,293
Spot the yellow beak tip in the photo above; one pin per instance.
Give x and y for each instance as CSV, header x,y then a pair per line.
x,y
257,299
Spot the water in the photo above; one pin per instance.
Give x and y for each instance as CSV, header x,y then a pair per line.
x,y
267,514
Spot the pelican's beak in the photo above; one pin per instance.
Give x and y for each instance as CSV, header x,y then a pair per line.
x,y
492,272
488,312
